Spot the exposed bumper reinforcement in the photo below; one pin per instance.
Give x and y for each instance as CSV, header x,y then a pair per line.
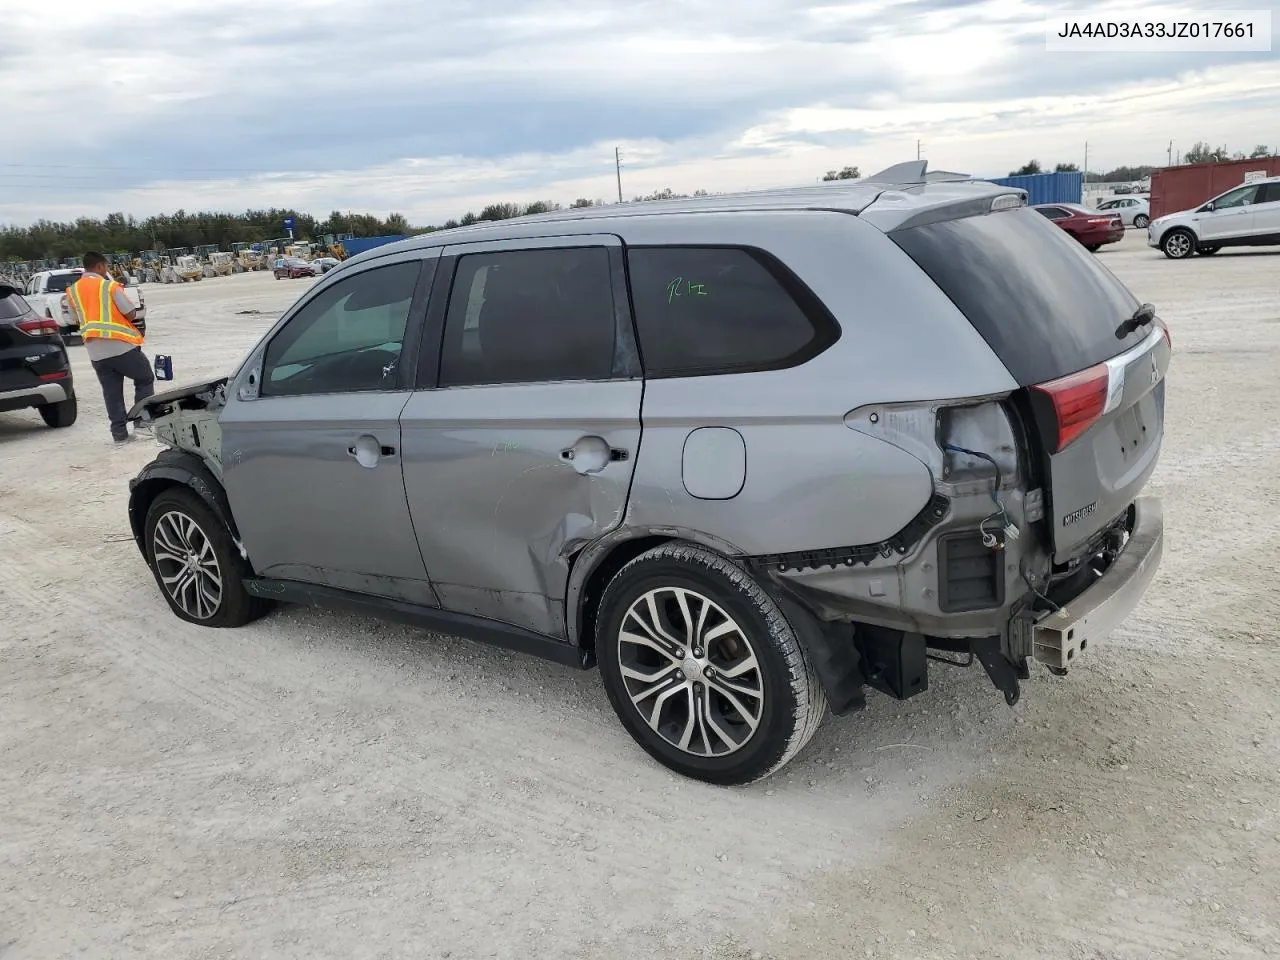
x,y
1059,638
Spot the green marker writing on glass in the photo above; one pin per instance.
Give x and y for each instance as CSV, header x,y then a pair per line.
x,y
680,288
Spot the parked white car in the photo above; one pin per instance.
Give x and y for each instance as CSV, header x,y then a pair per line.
x,y
1244,216
46,291
1133,211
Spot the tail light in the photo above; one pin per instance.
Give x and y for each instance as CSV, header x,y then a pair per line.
x,y
1164,331
56,375
39,327
1078,400
1099,221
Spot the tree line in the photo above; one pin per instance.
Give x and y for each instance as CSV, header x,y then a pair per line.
x,y
1200,152
121,233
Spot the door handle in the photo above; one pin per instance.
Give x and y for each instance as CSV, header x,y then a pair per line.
x,y
367,451
591,455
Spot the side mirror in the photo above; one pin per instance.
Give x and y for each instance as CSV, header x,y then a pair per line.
x,y
1208,208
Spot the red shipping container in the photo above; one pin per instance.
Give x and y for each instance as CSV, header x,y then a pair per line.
x,y
1182,188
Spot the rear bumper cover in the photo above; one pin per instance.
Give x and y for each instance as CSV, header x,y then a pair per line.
x,y
35,396
1059,638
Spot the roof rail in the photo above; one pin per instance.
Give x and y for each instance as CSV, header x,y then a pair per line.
x,y
912,171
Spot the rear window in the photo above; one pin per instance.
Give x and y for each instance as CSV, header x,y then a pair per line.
x,y
711,310
1045,305
59,282
12,306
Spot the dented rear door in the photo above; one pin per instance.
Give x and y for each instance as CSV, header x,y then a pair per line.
x,y
519,448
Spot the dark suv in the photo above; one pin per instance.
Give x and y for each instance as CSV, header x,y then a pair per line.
x,y
34,371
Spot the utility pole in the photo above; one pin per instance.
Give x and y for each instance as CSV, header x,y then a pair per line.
x,y
1171,153
617,165
1084,189
917,149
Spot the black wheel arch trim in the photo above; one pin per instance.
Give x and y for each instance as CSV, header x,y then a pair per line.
x,y
176,468
597,556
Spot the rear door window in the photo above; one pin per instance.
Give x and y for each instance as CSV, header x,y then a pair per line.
x,y
1268,193
710,310
1045,305
531,316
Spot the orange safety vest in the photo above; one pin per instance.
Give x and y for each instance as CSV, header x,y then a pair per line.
x,y
99,316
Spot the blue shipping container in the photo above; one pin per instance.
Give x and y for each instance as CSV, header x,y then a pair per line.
x,y
357,245
1047,187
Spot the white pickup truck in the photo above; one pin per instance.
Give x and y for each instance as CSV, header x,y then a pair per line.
x,y
47,293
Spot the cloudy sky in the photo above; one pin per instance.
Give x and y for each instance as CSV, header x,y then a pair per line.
x,y
431,108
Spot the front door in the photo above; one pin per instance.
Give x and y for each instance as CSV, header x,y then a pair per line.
x,y
311,447
1231,216
520,451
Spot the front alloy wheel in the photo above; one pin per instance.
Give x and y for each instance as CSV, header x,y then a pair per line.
x,y
1178,245
186,565
691,672
196,563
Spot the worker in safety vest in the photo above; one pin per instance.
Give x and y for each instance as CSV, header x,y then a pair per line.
x,y
105,314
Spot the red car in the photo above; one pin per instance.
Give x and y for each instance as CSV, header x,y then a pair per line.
x,y
293,269
1091,228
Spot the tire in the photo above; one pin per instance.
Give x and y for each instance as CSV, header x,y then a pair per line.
x,y
1093,247
1207,251
753,670
180,525
1178,244
60,414
1142,221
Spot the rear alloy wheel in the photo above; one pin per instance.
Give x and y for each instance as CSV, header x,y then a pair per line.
x,y
702,667
1178,244
60,414
1207,251
195,564
1141,221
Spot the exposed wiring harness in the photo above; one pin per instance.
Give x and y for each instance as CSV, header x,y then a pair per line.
x,y
991,540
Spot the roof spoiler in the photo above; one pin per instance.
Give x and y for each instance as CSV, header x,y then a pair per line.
x,y
911,172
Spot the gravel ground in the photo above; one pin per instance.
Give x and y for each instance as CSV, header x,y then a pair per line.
x,y
319,785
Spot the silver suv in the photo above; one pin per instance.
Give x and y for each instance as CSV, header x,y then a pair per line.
x,y
751,455
1244,216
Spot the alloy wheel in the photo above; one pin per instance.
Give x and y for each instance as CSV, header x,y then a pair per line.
x,y
1178,245
187,565
691,672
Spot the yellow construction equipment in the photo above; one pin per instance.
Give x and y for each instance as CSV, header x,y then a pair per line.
x,y
188,268
220,264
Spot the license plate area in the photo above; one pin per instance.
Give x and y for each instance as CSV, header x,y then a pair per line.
x,y
1133,431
